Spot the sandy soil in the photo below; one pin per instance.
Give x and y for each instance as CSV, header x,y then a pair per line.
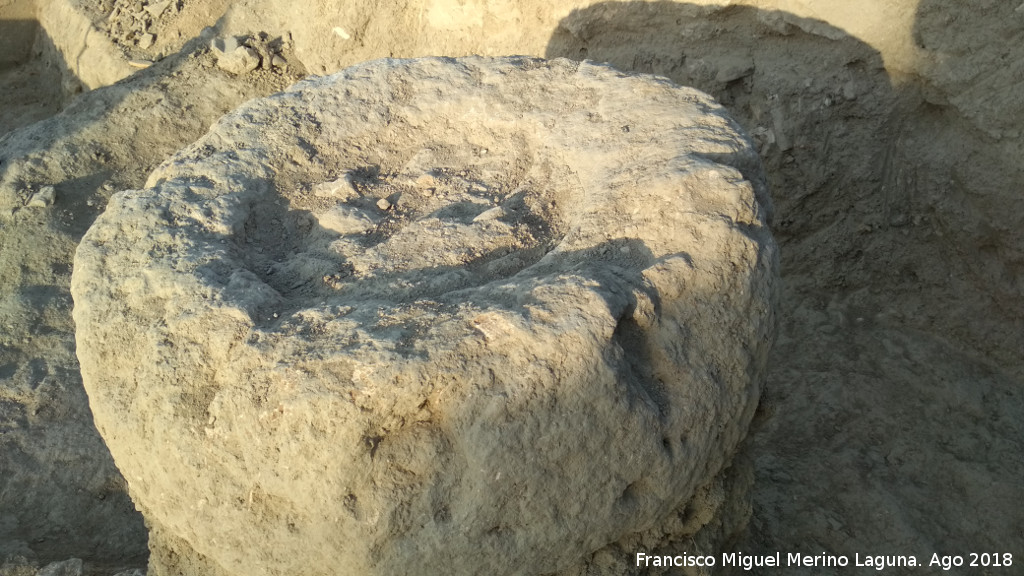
x,y
890,133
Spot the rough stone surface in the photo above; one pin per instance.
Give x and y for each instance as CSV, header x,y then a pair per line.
x,y
439,387
233,57
72,567
44,198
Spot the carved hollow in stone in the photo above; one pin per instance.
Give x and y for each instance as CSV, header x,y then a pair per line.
x,y
433,316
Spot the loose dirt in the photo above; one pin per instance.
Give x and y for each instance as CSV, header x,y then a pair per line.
x,y
890,133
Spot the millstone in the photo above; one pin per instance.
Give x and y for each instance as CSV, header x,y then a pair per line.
x,y
432,316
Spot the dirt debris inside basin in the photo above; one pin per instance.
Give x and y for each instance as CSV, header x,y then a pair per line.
x,y
891,139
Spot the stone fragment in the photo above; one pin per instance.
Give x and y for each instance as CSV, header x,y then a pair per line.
x,y
146,41
440,395
344,219
44,198
222,45
72,567
157,9
734,68
340,189
490,214
233,56
239,61
850,90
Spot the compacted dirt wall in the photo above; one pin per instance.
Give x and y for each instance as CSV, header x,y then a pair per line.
x,y
890,134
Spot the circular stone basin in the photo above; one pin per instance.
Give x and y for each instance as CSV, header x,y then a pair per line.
x,y
430,316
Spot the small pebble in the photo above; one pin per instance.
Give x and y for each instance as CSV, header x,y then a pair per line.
x,y
239,61
45,197
146,41
383,204
492,214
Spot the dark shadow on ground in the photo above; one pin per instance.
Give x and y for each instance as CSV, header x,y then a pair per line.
x,y
887,299
62,496
36,81
16,38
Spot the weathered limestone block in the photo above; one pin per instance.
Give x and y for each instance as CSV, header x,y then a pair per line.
x,y
435,316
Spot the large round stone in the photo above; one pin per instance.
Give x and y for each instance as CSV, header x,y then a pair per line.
x,y
435,316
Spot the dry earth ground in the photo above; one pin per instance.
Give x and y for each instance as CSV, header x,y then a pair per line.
x,y
891,135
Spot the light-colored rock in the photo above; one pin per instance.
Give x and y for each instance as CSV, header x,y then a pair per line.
x,y
491,214
233,56
157,9
344,219
734,68
146,41
238,61
340,189
72,567
501,396
44,198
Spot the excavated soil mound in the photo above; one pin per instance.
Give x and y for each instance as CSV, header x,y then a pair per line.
x,y
432,317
